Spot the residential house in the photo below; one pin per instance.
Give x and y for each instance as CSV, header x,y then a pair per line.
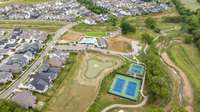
x,y
5,77
14,68
25,99
28,55
18,59
39,83
55,62
102,43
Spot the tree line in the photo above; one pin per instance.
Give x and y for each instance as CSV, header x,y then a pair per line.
x,y
190,22
157,81
93,7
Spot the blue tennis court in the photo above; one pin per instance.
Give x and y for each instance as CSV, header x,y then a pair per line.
x,y
119,85
136,69
130,90
126,87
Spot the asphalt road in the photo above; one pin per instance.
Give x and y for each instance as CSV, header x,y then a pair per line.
x,y
26,74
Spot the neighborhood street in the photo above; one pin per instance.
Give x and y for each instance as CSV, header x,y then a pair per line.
x,y
7,92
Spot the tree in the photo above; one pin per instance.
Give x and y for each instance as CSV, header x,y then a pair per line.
x,y
93,7
126,27
177,108
188,39
172,19
150,23
9,106
154,109
147,38
113,20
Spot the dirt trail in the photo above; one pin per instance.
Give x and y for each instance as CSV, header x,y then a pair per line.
x,y
187,90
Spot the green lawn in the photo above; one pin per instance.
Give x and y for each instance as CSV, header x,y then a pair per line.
x,y
96,34
50,26
187,57
191,4
4,86
101,27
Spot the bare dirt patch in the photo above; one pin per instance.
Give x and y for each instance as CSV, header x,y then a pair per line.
x,y
119,43
72,36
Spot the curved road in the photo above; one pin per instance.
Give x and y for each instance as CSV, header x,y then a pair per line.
x,y
26,74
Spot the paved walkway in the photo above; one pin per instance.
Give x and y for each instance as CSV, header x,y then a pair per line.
x,y
125,106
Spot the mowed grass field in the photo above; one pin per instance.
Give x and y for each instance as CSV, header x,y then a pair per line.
x,y
49,26
187,58
101,27
95,34
191,4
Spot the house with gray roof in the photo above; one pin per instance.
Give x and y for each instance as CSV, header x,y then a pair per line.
x,y
25,99
5,77
18,59
44,67
33,47
28,55
14,68
55,62
39,84
102,43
